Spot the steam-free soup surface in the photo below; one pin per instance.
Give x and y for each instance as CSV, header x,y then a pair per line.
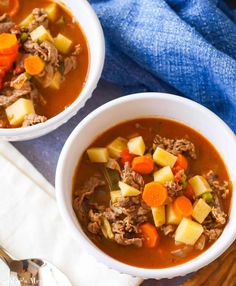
x,y
144,242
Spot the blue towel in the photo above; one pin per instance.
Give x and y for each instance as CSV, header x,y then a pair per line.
x,y
186,47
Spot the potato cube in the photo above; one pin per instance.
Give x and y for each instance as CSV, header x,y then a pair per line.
x,y
27,21
128,191
115,195
52,11
201,210
117,146
56,81
199,185
17,111
63,44
159,216
98,155
41,34
171,216
136,146
188,231
106,229
164,158
164,175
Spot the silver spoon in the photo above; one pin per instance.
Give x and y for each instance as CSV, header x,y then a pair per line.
x,y
33,272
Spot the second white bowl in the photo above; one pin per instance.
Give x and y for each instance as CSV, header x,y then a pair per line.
x,y
140,106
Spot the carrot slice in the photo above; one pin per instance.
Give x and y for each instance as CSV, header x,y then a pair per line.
x,y
143,165
34,65
126,156
7,60
183,206
150,234
8,44
181,162
154,194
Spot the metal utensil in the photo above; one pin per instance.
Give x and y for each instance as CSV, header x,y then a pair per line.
x,y
33,272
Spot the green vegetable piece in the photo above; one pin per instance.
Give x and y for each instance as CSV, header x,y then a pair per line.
x,y
106,229
207,197
24,37
112,178
61,21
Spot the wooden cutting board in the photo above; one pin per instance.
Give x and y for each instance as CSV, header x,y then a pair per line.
x,y
221,272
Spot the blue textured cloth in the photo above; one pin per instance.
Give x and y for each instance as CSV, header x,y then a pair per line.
x,y
187,47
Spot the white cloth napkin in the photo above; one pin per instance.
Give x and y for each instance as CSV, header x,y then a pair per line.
x,y
31,226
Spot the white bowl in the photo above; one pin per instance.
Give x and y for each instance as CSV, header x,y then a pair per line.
x,y
138,106
91,27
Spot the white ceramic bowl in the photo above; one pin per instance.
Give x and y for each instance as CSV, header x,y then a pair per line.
x,y
138,106
91,27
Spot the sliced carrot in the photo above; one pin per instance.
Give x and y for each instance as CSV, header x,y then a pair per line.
x,y
188,192
183,206
181,163
8,44
150,234
126,156
34,65
7,60
154,194
14,7
143,165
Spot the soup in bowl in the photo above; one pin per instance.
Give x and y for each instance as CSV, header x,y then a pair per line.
x,y
45,61
152,194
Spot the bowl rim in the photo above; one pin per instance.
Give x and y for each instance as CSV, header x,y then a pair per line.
x,y
86,92
170,272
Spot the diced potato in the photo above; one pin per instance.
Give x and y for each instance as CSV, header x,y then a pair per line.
x,y
201,210
63,44
115,195
199,185
188,231
117,146
159,216
56,81
41,34
27,21
17,111
164,175
171,216
164,158
98,155
106,229
128,191
136,146
52,11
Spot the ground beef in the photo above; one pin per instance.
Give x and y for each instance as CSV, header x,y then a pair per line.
x,y
175,146
70,63
213,233
33,119
94,226
219,215
201,242
34,48
132,178
136,241
12,96
40,18
222,189
172,189
168,229
88,188
51,53
6,24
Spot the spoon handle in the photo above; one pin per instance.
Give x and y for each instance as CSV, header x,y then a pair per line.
x,y
4,256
